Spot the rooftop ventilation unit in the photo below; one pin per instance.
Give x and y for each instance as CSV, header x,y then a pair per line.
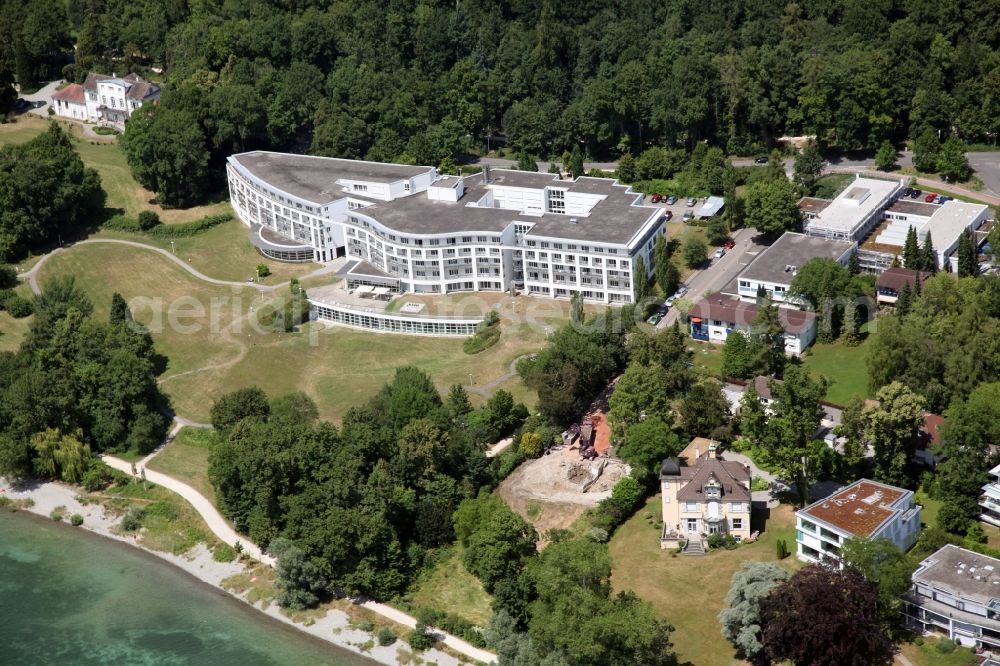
x,y
573,220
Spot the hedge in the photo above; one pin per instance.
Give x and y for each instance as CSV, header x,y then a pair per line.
x,y
166,231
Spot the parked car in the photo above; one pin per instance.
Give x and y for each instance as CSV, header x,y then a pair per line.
x,y
760,159
692,201
669,303
656,198
939,199
681,290
655,319
688,215
21,104
671,200
915,193
729,244
907,192
720,253
668,215
945,200
930,197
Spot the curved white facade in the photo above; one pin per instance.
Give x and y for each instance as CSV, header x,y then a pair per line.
x,y
444,234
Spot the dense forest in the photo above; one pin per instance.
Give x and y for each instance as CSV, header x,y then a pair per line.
x,y
429,81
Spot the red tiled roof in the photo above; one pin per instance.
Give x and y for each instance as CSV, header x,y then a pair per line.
x,y
71,93
733,310
930,431
859,509
895,278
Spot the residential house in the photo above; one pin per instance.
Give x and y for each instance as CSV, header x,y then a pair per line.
x,y
703,494
929,451
956,594
103,99
890,283
865,509
989,501
714,317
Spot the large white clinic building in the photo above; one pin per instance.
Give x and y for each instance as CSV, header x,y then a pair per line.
x,y
423,232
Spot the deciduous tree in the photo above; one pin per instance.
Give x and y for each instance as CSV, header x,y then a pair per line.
x,y
772,207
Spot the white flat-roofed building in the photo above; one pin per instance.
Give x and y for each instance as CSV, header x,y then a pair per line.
x,y
776,266
443,234
856,211
989,501
957,592
946,226
865,509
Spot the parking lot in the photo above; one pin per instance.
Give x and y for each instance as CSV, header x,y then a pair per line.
x,y
677,209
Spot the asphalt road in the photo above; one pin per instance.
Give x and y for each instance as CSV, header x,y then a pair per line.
x,y
719,272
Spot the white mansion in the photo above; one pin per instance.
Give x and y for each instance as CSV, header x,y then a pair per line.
x,y
104,99
415,230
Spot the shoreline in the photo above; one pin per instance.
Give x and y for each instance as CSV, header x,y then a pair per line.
x,y
333,628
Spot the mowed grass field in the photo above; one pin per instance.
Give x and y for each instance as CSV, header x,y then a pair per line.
x,y
223,252
123,191
212,348
451,588
844,366
689,591
186,458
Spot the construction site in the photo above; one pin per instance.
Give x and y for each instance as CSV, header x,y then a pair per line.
x,y
552,491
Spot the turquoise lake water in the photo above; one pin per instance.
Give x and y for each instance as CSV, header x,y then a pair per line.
x,y
73,598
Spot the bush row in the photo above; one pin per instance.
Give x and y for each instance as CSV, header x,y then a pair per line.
x,y
149,223
15,304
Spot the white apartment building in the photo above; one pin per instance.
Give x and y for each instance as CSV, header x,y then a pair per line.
x,y
989,501
956,592
427,233
864,509
775,267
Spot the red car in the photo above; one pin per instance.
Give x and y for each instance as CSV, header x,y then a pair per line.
x,y
656,198
667,215
930,198
729,244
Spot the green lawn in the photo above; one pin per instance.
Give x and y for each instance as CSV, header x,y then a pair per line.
x,y
451,588
928,655
209,354
12,331
186,458
223,252
707,356
931,508
843,366
832,184
686,591
106,157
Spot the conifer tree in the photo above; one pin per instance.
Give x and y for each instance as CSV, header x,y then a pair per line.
x,y
929,263
852,263
911,251
904,300
966,256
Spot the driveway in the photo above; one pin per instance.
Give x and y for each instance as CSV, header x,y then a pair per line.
x,y
43,94
719,273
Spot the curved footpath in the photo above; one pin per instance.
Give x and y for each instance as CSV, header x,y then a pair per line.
x,y
221,528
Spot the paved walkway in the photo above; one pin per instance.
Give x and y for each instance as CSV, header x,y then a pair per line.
x,y
225,532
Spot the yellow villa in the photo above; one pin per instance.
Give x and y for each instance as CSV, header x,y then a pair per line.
x,y
702,494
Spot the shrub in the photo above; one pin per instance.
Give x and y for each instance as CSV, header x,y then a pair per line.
x,y
15,304
223,553
97,476
487,334
531,444
105,131
263,270
386,636
76,520
945,646
757,483
918,641
598,534
716,541
58,513
508,461
975,533
132,520
366,625
147,220
420,638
